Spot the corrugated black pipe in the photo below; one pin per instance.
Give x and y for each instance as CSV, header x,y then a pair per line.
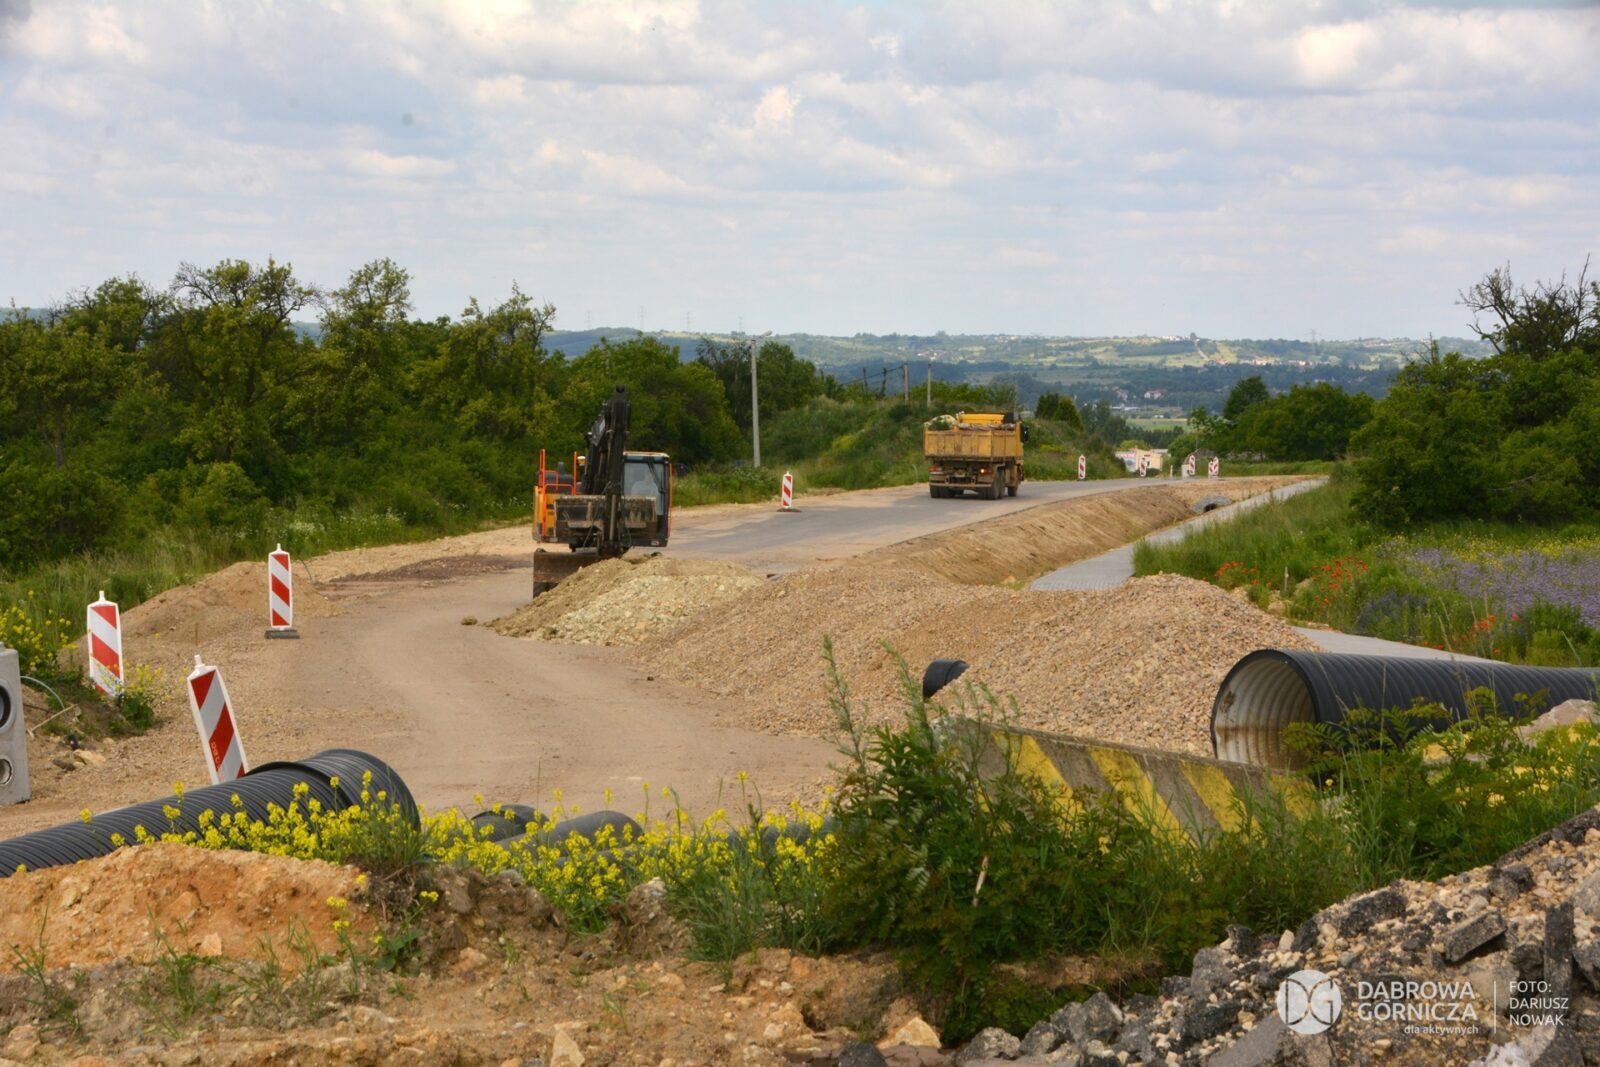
x,y
940,673
269,784
1271,688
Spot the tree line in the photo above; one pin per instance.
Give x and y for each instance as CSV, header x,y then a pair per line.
x,y
205,405
1508,436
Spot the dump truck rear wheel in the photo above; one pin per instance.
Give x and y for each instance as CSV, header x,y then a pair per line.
x,y
1011,490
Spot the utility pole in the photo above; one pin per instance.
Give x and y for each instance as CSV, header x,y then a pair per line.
x,y
905,375
930,381
755,397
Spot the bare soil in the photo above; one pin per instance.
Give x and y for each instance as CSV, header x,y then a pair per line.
x,y
208,903
491,977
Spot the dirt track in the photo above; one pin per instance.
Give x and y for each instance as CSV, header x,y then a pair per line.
x,y
385,664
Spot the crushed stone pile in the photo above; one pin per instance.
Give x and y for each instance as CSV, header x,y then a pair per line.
x,y
624,601
1139,663
1494,967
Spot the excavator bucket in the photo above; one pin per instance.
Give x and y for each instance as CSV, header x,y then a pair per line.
x,y
552,568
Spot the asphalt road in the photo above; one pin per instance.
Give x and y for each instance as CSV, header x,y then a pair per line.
x,y
840,525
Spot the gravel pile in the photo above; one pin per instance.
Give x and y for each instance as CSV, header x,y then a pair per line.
x,y
1495,967
623,601
1138,664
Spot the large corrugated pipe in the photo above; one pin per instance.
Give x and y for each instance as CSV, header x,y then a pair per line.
x,y
1270,689
269,784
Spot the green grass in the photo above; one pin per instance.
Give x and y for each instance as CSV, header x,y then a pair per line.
x,y
1296,535
1312,558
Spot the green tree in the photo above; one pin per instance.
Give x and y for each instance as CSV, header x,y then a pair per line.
x,y
785,380
1059,406
1498,437
57,378
491,375
1308,422
1245,394
678,408
356,378
228,351
1428,452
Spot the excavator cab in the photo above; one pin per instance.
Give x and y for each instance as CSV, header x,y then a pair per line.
x,y
650,474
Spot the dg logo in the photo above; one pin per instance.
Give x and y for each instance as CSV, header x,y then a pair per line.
x,y
1309,1002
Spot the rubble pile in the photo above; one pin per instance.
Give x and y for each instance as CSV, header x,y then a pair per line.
x,y
1496,966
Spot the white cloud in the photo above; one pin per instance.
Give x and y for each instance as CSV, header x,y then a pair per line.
x,y
383,165
776,108
894,164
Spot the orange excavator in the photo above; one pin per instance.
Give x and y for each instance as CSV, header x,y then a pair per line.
x,y
610,501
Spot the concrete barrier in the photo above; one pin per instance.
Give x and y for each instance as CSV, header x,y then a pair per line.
x,y
1194,795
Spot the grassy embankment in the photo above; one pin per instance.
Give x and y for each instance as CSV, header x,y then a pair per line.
x,y
1514,592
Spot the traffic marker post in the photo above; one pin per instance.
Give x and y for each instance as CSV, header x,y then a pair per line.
x,y
1214,468
280,595
220,746
1144,466
786,495
1189,466
1083,467
105,646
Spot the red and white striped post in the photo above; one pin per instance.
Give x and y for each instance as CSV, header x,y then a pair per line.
x,y
786,494
1214,468
105,646
1083,467
213,717
280,595
1188,466
1144,466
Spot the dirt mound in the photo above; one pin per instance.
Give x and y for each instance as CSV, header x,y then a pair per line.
x,y
1138,664
231,599
1028,543
210,903
622,601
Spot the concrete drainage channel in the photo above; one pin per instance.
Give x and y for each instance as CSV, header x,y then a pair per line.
x,y
1114,567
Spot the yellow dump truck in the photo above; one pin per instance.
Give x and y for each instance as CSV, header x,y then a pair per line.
x,y
974,451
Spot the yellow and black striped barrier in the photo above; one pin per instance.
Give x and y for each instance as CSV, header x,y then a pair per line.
x,y
1178,792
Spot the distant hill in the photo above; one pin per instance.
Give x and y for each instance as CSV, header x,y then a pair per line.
x,y
1027,351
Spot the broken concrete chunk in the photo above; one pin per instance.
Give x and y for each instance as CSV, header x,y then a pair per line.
x,y
1361,913
1465,938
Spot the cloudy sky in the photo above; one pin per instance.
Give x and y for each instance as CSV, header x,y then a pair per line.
x,y
1238,169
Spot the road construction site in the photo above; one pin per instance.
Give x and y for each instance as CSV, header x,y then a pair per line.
x,y
404,648
691,669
